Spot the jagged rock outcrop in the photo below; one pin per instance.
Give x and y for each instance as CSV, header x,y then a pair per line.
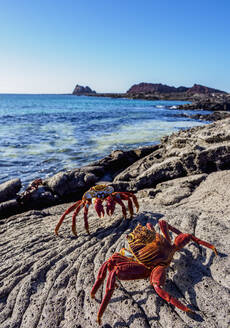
x,y
199,150
81,90
201,89
158,88
143,88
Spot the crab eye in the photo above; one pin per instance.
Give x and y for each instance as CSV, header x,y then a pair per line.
x,y
130,237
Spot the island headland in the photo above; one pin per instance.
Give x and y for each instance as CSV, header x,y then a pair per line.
x,y
199,97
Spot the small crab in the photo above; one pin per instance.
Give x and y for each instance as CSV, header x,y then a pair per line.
x,y
97,195
149,255
26,195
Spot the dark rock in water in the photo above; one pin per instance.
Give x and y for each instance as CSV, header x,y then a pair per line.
x,y
80,90
219,102
215,116
9,189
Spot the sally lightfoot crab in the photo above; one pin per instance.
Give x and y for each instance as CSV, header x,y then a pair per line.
x,y
97,195
149,255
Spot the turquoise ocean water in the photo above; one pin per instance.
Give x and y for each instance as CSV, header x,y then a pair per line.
x,y
41,135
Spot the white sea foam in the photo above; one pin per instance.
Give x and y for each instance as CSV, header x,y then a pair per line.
x,y
140,133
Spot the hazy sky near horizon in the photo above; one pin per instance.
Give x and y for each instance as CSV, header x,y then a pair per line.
x,y
49,46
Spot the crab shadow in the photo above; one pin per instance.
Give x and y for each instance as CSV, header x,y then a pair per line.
x,y
121,225
181,267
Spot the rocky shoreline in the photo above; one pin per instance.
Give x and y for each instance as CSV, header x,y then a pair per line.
x,y
46,280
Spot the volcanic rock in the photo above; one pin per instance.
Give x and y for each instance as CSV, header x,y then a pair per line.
x,y
199,150
219,102
215,116
158,88
201,89
46,280
147,88
9,189
80,90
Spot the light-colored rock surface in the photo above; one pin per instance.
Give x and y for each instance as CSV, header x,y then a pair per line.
x,y
45,281
198,150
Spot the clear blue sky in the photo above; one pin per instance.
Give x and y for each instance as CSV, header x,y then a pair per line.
x,y
48,46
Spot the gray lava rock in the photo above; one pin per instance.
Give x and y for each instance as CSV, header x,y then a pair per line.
x,y
67,183
46,280
198,150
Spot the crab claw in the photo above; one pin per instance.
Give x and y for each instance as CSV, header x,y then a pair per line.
x,y
99,207
110,205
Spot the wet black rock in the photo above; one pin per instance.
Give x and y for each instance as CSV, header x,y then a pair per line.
x,y
219,102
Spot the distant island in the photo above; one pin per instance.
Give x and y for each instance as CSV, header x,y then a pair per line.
x,y
200,96
154,91
157,89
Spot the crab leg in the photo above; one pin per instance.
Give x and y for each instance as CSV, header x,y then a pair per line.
x,y
183,238
110,286
123,271
110,205
130,204
70,209
119,267
110,263
164,226
157,279
134,198
81,204
118,200
86,209
99,207
100,278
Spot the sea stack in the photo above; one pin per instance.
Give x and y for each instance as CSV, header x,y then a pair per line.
x,y
80,90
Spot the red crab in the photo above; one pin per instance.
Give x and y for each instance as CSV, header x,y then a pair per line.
x,y
25,196
97,195
149,255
